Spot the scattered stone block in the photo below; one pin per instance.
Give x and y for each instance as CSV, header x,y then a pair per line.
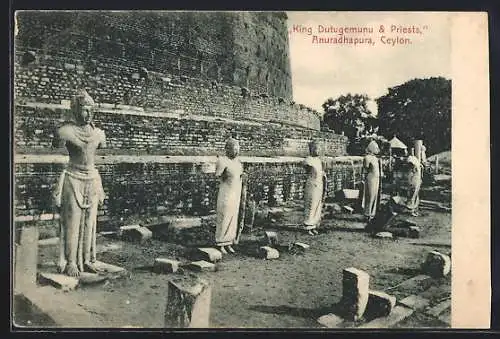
x,y
112,271
330,320
208,254
26,258
380,304
355,294
163,265
436,310
126,228
415,302
350,194
60,281
398,314
383,235
301,245
269,253
437,264
188,303
138,234
87,278
272,238
348,209
202,266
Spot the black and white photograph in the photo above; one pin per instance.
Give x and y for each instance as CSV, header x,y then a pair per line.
x,y
233,169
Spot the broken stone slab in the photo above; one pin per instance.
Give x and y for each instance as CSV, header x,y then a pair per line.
x,y
87,278
202,266
330,320
137,234
380,304
398,314
415,302
437,264
268,253
126,228
207,254
110,271
272,238
355,287
188,303
301,245
162,265
383,235
436,310
348,209
350,194
60,281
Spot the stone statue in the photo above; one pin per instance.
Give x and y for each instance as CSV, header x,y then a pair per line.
x,y
314,190
79,190
230,173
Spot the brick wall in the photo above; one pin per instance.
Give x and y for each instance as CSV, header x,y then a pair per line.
x,y
158,133
55,78
147,189
189,43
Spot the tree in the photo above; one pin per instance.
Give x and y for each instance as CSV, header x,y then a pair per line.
x,y
348,113
418,109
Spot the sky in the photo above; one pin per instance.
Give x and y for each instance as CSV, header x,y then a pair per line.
x,y
320,71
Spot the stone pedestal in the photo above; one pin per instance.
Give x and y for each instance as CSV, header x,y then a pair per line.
x,y
26,258
355,284
188,303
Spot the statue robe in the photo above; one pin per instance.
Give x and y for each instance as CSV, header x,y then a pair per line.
x,y
313,192
371,167
78,194
228,199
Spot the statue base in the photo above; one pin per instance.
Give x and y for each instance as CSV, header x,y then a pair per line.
x,y
106,271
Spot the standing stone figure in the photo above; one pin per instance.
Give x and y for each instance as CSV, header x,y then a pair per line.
x,y
414,183
229,170
314,191
79,190
372,172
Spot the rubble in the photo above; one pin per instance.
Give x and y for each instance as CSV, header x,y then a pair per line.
x,y
269,253
437,264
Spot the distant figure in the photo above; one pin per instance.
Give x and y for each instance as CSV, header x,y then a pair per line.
x,y
414,184
314,192
79,190
372,174
229,169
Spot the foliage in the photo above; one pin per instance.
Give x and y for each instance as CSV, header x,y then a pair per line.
x,y
418,109
349,114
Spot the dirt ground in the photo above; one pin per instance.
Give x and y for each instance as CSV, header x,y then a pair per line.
x,y
289,292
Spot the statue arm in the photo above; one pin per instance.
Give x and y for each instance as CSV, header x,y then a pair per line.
x,y
61,136
102,140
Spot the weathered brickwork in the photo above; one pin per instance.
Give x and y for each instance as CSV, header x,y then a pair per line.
x,y
35,128
150,189
166,84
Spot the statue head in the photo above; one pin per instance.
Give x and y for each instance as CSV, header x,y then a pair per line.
x,y
313,148
232,148
372,148
82,107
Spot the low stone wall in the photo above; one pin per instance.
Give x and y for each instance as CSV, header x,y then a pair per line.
x,y
151,186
